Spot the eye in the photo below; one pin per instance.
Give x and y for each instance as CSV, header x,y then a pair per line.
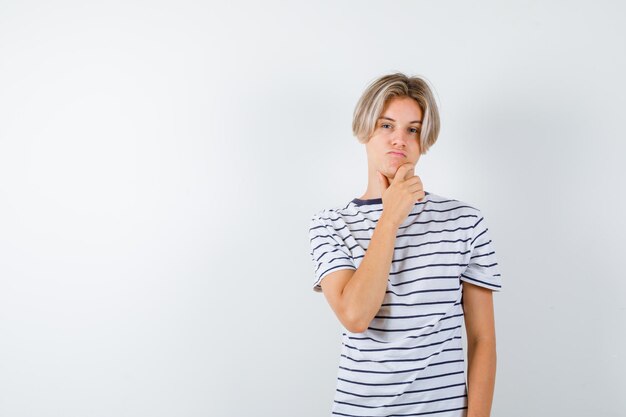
x,y
384,124
414,130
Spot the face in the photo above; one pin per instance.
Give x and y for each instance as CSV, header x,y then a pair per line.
x,y
396,137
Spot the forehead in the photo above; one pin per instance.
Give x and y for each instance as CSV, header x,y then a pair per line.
x,y
400,108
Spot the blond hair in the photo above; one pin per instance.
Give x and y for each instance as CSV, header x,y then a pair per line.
x,y
379,92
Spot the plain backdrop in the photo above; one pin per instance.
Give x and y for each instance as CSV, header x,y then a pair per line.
x,y
160,162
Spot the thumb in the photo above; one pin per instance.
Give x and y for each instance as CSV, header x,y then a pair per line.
x,y
382,180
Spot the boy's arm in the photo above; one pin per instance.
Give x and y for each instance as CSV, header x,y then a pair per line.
x,y
481,348
356,295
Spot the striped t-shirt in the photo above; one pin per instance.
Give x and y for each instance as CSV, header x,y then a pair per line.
x,y
410,360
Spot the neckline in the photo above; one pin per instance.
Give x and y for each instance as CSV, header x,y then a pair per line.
x,y
371,201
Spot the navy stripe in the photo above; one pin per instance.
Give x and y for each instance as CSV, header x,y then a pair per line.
x,y
327,243
341,215
432,242
422,291
350,264
335,267
438,220
402,347
402,393
332,251
417,304
403,371
426,267
371,384
367,229
434,231
414,316
446,210
479,235
486,266
431,199
421,234
415,328
478,222
403,404
403,415
400,360
482,244
401,383
482,282
334,259
484,254
330,236
432,253
397,284
408,337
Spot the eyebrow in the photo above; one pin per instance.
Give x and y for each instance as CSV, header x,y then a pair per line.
x,y
389,118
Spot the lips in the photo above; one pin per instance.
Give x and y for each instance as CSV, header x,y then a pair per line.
x,y
396,153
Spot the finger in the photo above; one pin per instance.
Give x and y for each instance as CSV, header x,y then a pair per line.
x,y
414,188
414,180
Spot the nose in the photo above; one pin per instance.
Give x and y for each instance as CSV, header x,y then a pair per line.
x,y
399,138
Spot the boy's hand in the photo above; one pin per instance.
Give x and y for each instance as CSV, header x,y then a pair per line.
x,y
400,196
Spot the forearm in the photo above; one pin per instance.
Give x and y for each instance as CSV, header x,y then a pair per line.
x,y
481,377
364,293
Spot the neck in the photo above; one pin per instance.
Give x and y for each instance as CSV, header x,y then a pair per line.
x,y
373,186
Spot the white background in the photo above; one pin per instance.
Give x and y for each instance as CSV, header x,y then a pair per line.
x,y
160,162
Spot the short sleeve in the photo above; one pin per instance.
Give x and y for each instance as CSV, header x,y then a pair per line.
x,y
329,252
482,269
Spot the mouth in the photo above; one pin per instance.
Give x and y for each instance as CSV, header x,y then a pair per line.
x,y
399,154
